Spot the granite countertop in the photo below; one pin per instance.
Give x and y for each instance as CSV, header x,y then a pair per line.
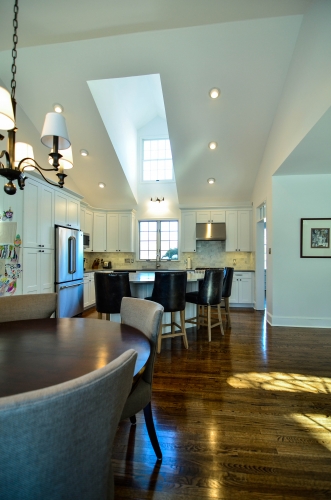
x,y
89,270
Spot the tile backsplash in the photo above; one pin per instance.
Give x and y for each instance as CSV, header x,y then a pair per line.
x,y
208,254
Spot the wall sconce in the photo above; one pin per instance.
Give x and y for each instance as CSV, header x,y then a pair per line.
x,y
157,199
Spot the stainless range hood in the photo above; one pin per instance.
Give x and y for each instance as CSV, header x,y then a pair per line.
x,y
211,232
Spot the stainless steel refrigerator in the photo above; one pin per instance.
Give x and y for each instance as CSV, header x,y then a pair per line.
x,y
69,269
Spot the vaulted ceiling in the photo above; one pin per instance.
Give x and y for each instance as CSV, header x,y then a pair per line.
x,y
243,47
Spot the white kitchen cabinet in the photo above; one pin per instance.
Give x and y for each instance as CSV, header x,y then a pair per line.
x,y
67,210
99,240
188,231
120,231
38,215
38,270
210,216
238,230
242,291
89,290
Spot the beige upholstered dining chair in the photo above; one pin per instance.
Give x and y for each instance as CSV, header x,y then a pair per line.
x,y
146,316
57,442
31,306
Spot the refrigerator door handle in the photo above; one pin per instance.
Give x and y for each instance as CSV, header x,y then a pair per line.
x,y
71,286
72,254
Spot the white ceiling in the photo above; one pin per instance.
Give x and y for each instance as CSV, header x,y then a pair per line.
x,y
244,47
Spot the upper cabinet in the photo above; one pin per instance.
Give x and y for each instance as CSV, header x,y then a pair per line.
x,y
120,231
188,231
238,231
67,210
210,216
38,215
99,240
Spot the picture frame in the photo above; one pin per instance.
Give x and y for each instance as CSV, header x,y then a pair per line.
x,y
315,238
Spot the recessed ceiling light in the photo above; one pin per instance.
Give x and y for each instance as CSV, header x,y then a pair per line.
x,y
84,152
212,145
211,180
102,185
58,108
214,93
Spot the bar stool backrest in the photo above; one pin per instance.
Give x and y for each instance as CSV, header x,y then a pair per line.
x,y
227,281
210,289
169,290
110,288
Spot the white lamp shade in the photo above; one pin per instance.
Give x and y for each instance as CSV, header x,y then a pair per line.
x,y
66,161
23,150
7,120
55,124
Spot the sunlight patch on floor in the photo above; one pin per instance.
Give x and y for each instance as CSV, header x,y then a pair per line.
x,y
319,426
277,381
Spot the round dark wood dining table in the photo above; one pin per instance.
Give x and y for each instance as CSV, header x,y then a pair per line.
x,y
39,353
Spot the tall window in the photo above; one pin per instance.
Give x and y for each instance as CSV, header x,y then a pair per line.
x,y
157,160
158,239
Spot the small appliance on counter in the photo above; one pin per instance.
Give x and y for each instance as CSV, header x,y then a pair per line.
x,y
107,264
188,263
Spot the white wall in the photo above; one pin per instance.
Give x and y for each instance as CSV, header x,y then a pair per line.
x,y
301,286
306,97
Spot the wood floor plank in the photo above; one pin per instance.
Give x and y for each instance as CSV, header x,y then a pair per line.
x,y
246,416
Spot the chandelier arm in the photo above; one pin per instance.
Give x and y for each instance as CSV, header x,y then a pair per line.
x,y
36,165
6,155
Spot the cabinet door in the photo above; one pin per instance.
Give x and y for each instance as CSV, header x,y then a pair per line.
x,y
60,209
89,227
112,232
244,230
92,289
125,233
31,270
203,216
234,298
217,215
245,291
46,217
82,219
99,232
73,213
231,217
188,232
31,210
46,262
86,290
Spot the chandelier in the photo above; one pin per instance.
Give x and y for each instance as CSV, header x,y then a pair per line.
x,y
19,156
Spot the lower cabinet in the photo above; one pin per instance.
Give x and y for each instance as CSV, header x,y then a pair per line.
x,y
89,290
242,291
38,270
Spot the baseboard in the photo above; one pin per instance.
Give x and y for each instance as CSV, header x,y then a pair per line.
x,y
294,321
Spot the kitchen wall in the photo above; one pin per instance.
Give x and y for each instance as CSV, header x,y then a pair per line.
x,y
208,254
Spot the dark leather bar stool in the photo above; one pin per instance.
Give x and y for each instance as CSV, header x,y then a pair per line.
x,y
110,288
169,290
209,294
226,293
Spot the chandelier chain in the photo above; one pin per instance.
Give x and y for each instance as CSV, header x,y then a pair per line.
x,y
14,51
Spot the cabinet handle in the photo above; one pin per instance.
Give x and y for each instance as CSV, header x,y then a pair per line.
x,y
41,250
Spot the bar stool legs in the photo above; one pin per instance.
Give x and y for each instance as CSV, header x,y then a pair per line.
x,y
174,333
107,316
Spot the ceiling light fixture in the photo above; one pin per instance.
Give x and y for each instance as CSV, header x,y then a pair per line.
x,y
54,134
58,108
102,185
214,93
212,145
211,180
84,152
157,199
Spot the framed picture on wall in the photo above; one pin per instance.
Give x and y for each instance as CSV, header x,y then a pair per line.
x,y
315,238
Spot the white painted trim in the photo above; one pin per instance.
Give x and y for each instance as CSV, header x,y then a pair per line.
x,y
302,322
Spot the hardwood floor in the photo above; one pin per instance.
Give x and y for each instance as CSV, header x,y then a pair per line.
x,y
246,416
